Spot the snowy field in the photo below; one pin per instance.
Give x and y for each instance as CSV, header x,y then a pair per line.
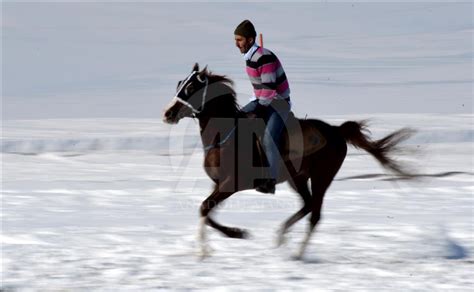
x,y
86,206
99,194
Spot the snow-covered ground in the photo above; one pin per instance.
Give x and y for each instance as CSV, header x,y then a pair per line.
x,y
86,205
99,194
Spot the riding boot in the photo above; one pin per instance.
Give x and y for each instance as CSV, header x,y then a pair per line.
x,y
267,186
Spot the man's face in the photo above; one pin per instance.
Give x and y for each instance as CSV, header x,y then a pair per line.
x,y
243,43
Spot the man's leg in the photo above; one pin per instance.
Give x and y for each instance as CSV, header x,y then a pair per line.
x,y
278,113
250,107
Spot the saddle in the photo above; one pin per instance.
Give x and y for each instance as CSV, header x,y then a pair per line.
x,y
300,138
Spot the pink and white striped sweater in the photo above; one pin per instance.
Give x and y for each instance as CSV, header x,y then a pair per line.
x,y
266,75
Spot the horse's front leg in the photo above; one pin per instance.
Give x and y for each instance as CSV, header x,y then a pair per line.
x,y
220,193
205,249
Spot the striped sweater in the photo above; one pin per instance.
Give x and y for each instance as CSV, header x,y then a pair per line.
x,y
266,75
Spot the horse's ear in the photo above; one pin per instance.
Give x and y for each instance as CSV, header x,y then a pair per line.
x,y
203,73
196,67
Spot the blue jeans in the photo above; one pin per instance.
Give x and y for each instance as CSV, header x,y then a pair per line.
x,y
275,116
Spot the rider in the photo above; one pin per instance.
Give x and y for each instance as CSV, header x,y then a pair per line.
x,y
271,98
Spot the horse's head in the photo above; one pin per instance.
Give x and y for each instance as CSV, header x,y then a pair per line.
x,y
190,96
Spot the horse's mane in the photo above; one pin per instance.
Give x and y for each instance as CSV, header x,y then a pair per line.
x,y
220,78
224,91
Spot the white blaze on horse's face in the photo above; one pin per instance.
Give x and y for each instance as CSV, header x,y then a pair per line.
x,y
181,105
178,107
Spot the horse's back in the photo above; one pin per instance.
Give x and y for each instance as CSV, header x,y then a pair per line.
x,y
304,137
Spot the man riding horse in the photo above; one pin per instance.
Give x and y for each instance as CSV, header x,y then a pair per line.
x,y
309,163
271,98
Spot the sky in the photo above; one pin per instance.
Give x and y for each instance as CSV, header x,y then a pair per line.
x,y
122,60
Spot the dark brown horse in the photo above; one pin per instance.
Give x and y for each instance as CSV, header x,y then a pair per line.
x,y
311,150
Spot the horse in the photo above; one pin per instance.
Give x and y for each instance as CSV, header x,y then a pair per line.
x,y
317,157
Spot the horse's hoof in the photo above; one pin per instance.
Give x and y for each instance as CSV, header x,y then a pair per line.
x,y
245,234
297,257
205,253
238,233
281,240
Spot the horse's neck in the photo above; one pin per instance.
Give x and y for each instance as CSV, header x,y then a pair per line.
x,y
219,115
214,129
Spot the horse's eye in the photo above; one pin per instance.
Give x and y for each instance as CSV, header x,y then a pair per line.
x,y
189,89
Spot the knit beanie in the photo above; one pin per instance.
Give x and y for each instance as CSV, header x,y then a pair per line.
x,y
245,29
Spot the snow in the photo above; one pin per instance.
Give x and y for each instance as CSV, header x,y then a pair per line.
x,y
125,216
99,194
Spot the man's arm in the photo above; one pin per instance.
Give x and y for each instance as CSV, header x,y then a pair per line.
x,y
267,68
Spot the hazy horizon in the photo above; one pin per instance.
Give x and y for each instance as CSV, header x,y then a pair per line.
x,y
123,60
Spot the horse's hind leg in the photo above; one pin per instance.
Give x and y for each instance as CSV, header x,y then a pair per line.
x,y
321,178
318,195
300,184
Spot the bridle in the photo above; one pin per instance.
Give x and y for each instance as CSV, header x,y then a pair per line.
x,y
203,101
204,94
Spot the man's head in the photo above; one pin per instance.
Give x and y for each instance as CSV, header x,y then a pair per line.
x,y
245,36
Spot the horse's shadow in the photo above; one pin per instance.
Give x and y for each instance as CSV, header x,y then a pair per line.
x,y
387,177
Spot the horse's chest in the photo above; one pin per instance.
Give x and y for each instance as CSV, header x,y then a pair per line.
x,y
212,163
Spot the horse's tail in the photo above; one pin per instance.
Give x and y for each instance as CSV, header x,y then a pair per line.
x,y
357,134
